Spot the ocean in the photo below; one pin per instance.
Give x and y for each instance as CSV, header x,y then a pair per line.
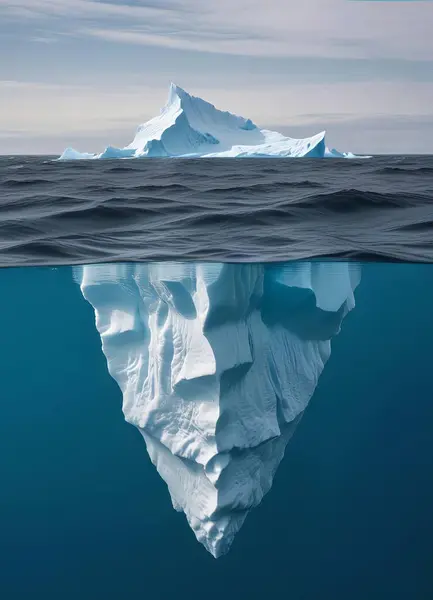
x,y
83,511
215,209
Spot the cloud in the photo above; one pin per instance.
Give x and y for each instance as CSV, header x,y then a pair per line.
x,y
194,41
44,40
159,4
335,28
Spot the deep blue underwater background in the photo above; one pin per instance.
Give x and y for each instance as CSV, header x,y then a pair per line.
x,y
84,515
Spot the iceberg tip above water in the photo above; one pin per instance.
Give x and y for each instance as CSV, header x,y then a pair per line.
x,y
191,127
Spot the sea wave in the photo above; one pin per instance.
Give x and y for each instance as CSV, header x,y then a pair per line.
x,y
225,210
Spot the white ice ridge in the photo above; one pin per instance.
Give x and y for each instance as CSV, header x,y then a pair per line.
x,y
191,127
216,364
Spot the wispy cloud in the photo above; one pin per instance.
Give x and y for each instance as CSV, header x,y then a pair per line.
x,y
44,40
336,28
200,41
159,4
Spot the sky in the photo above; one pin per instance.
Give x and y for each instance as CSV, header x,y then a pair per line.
x,y
86,73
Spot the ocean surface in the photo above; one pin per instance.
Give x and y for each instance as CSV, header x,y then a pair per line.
x,y
84,514
215,209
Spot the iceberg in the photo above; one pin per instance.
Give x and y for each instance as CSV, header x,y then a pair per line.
x,y
216,364
191,127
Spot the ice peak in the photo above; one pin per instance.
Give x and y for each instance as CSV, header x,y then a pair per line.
x,y
190,126
175,92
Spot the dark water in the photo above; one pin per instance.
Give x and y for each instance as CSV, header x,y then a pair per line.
x,y
226,209
83,513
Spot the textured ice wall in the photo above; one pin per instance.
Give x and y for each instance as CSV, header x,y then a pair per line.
x,y
216,364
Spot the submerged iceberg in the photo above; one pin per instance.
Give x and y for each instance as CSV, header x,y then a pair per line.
x,y
216,364
191,127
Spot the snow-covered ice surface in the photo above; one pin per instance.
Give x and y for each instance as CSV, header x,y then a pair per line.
x,y
217,363
191,127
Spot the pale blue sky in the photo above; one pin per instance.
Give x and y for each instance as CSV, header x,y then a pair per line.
x,y
87,72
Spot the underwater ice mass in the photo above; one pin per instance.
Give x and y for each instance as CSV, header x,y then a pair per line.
x,y
191,127
216,364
